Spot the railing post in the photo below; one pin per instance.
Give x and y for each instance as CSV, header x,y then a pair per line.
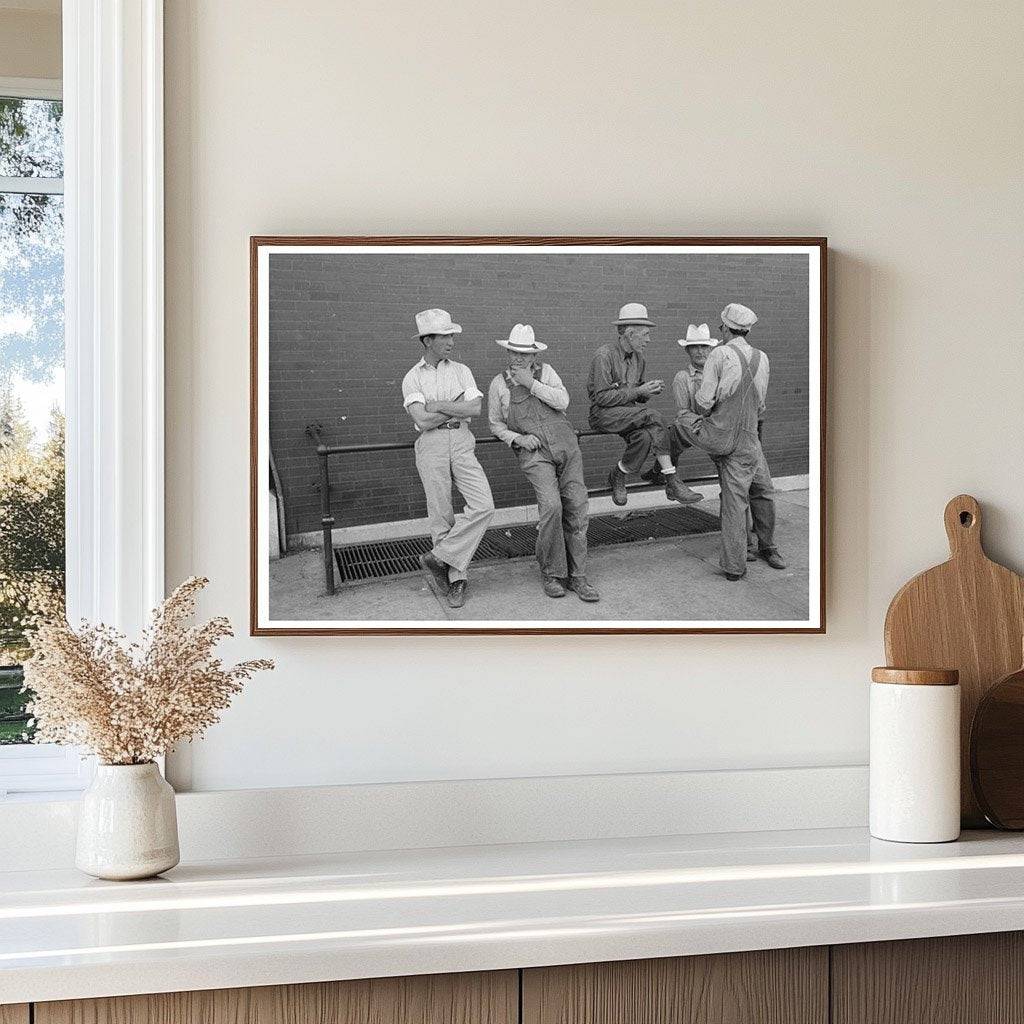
x,y
326,519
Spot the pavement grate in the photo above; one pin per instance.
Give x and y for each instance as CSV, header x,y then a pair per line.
x,y
387,559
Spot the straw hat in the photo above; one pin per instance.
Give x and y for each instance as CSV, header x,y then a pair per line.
x,y
698,336
521,339
435,321
634,313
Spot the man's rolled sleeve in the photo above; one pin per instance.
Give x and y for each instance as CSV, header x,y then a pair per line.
x,y
411,393
470,392
707,393
496,414
550,389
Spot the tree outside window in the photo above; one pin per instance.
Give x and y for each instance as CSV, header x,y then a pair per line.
x,y
31,387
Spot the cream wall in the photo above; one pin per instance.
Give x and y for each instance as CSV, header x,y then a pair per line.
x,y
895,129
30,41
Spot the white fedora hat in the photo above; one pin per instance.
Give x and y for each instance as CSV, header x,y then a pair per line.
x,y
698,336
435,321
520,339
634,313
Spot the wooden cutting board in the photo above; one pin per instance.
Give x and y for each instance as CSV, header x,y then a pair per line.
x,y
967,614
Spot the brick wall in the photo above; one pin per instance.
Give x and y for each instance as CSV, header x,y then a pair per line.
x,y
342,337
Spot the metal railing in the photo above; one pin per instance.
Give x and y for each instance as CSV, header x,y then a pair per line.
x,y
325,451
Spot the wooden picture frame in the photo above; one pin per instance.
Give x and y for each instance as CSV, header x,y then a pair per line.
x,y
307,398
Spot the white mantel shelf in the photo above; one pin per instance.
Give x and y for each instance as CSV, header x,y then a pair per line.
x,y
302,919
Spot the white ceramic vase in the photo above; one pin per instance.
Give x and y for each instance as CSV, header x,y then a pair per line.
x,y
127,825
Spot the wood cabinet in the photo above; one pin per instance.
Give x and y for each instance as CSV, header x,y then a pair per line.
x,y
775,986
482,998
969,979
962,979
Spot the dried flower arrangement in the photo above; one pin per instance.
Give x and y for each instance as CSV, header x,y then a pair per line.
x,y
130,703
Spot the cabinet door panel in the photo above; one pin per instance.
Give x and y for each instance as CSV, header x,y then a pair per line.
x,y
481,998
778,986
14,1013
960,979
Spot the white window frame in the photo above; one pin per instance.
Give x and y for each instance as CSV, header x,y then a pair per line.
x,y
114,326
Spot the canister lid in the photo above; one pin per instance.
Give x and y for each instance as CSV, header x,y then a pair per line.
x,y
916,676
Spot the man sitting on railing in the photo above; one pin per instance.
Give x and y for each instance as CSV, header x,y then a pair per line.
x,y
526,408
618,405
441,396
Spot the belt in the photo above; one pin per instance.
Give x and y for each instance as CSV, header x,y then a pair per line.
x,y
449,425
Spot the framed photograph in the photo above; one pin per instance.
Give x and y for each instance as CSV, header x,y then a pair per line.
x,y
537,435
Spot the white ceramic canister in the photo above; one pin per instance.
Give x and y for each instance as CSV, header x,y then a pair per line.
x,y
127,825
915,755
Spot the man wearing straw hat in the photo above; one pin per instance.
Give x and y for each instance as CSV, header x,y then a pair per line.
x,y
526,407
618,405
698,344
441,396
728,404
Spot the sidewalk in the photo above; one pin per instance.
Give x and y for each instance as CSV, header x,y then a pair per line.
x,y
675,579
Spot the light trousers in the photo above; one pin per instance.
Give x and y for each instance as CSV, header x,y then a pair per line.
x,y
443,457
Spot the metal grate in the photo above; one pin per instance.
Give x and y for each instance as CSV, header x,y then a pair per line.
x,y
387,559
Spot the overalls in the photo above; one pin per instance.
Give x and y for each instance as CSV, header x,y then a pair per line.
x,y
728,433
555,470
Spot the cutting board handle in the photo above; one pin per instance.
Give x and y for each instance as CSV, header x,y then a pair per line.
x,y
963,526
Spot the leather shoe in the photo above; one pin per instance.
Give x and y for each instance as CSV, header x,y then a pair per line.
x,y
457,594
751,554
584,591
774,559
617,482
554,587
678,491
436,568
734,576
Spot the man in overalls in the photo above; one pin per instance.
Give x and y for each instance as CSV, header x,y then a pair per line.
x,y
729,400
441,396
526,407
618,405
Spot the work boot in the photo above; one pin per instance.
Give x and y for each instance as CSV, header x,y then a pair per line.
x,y
751,554
773,558
734,576
678,491
554,587
584,591
436,568
457,594
617,482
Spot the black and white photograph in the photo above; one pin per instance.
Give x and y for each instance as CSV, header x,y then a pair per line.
x,y
540,435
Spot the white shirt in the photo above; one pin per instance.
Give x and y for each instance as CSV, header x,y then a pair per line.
x,y
547,387
723,373
444,383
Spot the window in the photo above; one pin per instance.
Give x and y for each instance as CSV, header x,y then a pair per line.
x,y
31,414
107,143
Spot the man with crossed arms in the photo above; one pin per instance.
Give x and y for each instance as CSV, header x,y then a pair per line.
x,y
441,396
